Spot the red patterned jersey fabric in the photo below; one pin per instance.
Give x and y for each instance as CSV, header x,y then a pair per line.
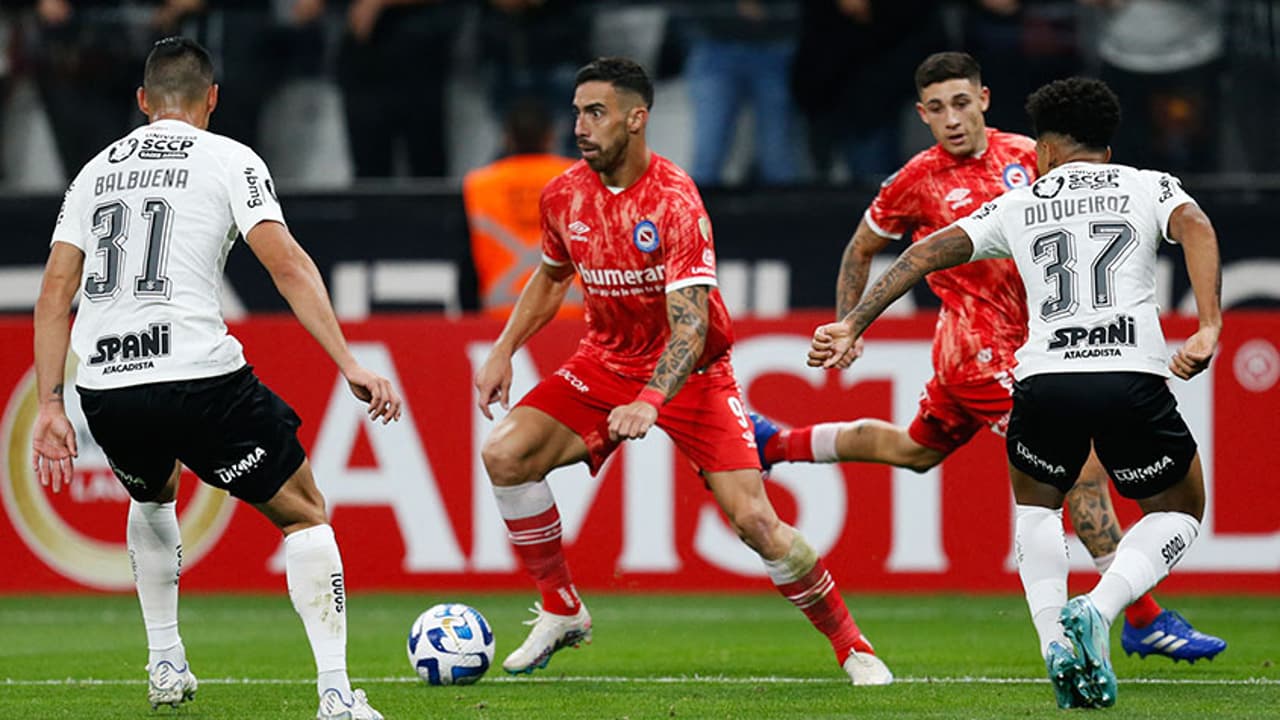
x,y
983,318
630,248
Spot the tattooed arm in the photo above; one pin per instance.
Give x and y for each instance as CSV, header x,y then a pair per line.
x,y
833,344
855,267
687,312
53,437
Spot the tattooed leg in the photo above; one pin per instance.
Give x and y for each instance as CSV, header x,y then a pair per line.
x,y
1092,514
1094,519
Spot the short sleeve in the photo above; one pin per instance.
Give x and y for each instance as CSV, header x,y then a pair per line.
x,y
690,255
69,227
1166,190
251,191
986,232
894,210
554,251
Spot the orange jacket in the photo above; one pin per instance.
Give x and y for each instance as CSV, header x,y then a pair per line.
x,y
501,201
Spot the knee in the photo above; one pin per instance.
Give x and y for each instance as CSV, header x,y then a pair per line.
x,y
506,463
757,527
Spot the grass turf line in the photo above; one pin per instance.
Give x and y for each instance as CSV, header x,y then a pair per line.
x,y
654,656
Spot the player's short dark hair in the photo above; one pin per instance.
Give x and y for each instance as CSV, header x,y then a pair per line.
x,y
621,73
527,125
179,68
1084,109
944,66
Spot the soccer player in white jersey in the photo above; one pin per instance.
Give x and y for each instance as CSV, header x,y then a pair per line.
x,y
1084,238
145,229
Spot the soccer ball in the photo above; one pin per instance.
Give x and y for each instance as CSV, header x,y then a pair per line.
x,y
450,644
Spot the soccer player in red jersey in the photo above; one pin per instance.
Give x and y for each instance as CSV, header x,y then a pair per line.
x,y
982,322
656,353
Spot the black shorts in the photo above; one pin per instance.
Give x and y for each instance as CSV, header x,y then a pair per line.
x,y
1131,418
231,430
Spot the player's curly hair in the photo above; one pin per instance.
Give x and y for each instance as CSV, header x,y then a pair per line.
x,y
1084,109
621,73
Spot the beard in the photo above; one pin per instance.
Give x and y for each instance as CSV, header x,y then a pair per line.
x,y
607,159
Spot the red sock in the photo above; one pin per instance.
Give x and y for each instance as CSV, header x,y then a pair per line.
x,y
1143,611
818,598
536,541
793,445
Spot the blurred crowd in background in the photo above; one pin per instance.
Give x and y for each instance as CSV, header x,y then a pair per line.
x,y
750,92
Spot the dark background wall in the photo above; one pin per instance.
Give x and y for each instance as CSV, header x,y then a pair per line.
x,y
381,239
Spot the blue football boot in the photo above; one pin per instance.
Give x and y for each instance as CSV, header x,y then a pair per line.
x,y
1087,630
1067,675
1172,636
764,430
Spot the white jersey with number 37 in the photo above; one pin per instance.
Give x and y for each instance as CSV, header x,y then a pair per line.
x,y
156,214
1084,238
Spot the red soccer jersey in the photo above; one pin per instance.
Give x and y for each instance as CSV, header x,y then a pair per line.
x,y
984,315
630,249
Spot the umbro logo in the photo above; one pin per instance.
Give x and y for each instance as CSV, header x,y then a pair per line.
x,y
578,231
958,198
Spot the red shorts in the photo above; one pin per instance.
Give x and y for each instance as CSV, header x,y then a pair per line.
x,y
706,419
950,415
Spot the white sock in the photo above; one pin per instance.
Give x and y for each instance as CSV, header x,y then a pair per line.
x,y
1103,562
822,441
155,552
526,500
797,563
316,587
1041,548
1143,558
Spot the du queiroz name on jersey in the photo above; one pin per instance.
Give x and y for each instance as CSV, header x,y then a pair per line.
x,y
1084,238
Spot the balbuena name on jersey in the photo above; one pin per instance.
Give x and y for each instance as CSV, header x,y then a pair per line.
x,y
153,213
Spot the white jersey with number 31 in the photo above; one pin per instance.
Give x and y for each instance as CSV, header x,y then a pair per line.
x,y
156,214
1084,238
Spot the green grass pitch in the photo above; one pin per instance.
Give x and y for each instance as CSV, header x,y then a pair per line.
x,y
654,656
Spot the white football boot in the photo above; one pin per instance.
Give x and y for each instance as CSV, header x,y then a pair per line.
x,y
867,669
168,684
549,634
334,707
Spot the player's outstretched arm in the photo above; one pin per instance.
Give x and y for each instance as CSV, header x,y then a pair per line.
x,y
833,343
537,304
1190,227
296,277
688,315
54,438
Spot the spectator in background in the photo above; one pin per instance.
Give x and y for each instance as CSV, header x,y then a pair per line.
x,y
394,65
7,53
532,49
1253,33
1162,58
256,45
740,53
84,57
847,73
1021,45
503,214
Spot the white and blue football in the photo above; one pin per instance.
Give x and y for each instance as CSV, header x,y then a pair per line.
x,y
450,644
